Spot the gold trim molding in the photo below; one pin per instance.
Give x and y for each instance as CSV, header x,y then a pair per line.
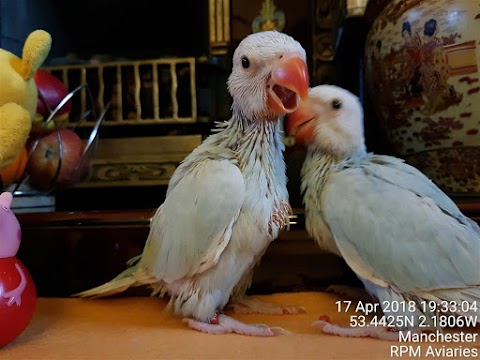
x,y
219,18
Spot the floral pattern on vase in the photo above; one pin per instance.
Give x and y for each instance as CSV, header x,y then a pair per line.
x,y
422,72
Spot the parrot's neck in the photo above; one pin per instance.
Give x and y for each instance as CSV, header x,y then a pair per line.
x,y
315,170
258,147
318,164
252,140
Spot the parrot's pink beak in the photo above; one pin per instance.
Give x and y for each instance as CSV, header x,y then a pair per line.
x,y
288,84
301,123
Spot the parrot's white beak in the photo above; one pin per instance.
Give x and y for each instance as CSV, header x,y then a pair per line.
x,y
301,123
287,85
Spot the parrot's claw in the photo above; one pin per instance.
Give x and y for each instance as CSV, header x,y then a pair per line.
x,y
227,325
254,306
381,333
281,217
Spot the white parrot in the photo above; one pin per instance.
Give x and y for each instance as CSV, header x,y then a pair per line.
x,y
228,199
405,239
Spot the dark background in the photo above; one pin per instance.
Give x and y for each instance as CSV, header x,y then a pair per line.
x,y
119,29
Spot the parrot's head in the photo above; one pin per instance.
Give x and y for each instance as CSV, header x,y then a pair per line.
x,y
269,75
329,119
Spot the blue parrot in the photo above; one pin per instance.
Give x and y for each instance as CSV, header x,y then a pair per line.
x,y
227,200
405,239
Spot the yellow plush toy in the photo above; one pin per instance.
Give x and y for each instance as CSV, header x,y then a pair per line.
x,y
18,94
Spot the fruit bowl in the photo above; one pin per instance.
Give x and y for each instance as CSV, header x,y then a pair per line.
x,y
57,156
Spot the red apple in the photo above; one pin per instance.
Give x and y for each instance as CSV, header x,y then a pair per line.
x,y
44,162
51,90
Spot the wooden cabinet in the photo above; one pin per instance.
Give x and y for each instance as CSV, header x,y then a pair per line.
x,y
67,252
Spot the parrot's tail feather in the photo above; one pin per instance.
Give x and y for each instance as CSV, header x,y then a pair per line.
x,y
133,261
117,285
110,288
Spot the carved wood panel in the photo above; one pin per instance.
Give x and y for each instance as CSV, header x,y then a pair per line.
x,y
328,16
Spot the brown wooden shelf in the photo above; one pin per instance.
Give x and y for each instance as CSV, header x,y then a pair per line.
x,y
67,252
469,206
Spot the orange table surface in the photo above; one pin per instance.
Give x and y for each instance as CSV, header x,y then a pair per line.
x,y
137,328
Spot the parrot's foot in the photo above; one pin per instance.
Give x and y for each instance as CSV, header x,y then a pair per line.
x,y
382,333
354,293
253,306
223,324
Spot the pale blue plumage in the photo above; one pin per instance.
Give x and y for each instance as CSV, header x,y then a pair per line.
x,y
402,236
406,232
195,221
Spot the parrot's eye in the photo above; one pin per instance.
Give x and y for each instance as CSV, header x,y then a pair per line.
x,y
245,62
336,104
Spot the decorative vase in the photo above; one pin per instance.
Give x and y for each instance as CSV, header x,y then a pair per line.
x,y
18,295
422,63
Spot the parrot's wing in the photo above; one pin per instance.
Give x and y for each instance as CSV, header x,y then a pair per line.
x,y
396,228
193,226
397,172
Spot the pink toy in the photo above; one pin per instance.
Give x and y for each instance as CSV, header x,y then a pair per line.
x,y
18,296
